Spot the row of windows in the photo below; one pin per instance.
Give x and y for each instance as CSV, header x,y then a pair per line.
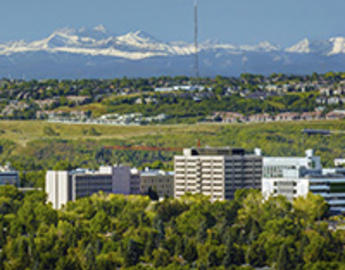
x,y
285,183
285,192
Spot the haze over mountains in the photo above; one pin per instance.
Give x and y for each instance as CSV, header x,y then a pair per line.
x,y
95,53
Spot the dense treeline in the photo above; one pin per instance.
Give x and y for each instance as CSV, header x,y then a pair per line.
x,y
183,107
113,232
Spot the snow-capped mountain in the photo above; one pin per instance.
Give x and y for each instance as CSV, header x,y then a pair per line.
x,y
134,45
323,47
95,52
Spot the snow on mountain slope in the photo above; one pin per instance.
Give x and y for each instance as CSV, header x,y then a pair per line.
x,y
301,47
321,47
134,45
338,45
78,53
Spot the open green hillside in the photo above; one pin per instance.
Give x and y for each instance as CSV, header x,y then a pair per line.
x,y
35,145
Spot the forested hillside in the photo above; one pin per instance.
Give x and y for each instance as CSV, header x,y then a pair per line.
x,y
113,232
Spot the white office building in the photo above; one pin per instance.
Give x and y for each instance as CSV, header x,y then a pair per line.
x,y
294,177
58,188
216,172
273,166
64,186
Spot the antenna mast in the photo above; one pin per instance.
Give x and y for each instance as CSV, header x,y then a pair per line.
x,y
196,46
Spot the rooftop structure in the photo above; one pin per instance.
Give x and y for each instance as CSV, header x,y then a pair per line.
x,y
273,166
214,151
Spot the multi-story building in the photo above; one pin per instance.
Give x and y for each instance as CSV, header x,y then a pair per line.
x,y
297,176
86,183
295,183
160,181
125,180
58,188
64,186
273,166
216,172
338,162
9,178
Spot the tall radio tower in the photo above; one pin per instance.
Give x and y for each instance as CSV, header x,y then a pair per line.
x,y
196,46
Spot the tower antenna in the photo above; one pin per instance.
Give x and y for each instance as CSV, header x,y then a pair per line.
x,y
196,45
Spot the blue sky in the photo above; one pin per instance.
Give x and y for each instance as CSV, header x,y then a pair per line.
x,y
282,22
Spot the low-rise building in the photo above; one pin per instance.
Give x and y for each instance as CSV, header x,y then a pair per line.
x,y
297,176
339,162
9,178
287,116
295,183
336,114
311,116
125,180
229,117
160,181
273,166
64,186
260,117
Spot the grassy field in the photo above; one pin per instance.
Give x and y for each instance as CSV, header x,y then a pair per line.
x,y
22,132
38,144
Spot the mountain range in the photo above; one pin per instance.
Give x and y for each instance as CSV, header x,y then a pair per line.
x,y
96,53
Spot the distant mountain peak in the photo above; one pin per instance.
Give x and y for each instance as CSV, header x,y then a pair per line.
x,y
140,35
268,46
338,45
302,46
98,48
263,46
100,28
98,32
65,31
321,47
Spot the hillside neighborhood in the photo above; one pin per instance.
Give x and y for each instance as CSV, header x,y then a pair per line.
x,y
249,98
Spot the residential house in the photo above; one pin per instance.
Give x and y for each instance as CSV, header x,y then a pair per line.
x,y
336,114
261,117
287,116
311,116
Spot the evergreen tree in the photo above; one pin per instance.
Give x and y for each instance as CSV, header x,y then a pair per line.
x,y
283,258
133,252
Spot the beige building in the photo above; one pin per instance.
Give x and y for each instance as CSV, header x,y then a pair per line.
x,y
216,172
159,181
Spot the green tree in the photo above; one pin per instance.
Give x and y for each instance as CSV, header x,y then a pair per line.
x,y
161,257
133,252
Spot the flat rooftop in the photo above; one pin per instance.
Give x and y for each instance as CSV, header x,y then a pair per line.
x,y
217,151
